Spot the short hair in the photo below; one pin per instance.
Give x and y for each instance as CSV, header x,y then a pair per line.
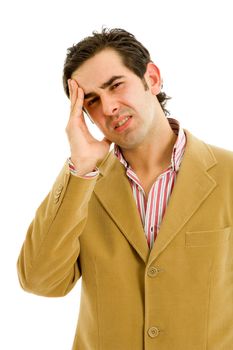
x,y
133,54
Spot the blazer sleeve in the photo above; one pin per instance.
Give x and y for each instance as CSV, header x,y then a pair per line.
x,y
48,261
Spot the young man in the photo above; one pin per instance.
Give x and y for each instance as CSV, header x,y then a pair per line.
x,y
148,225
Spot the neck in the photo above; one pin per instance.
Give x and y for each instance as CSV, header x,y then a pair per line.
x,y
154,153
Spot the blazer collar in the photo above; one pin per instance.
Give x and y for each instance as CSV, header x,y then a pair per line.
x,y
193,186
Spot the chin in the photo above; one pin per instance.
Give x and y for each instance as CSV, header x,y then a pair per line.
x,y
129,145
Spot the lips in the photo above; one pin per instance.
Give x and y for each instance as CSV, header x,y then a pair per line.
x,y
120,121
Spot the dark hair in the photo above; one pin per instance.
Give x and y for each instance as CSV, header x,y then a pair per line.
x,y
133,54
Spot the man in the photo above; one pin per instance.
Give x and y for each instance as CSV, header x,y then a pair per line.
x,y
148,225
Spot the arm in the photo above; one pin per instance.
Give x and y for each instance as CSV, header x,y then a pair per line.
x,y
47,263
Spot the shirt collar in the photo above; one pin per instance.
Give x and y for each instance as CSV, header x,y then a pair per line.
x,y
178,149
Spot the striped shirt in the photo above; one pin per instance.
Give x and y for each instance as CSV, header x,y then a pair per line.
x,y
153,209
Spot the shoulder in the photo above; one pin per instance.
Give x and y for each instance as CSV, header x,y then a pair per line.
x,y
203,148
217,161
223,156
223,170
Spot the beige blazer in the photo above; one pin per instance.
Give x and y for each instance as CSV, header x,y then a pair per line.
x,y
179,296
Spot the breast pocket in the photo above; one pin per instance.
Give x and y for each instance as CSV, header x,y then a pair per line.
x,y
207,238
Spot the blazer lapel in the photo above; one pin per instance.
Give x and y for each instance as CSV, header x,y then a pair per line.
x,y
114,192
192,187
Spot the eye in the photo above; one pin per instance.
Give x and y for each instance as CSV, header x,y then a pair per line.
x,y
115,85
89,103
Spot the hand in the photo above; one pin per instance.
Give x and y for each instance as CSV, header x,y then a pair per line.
x,y
86,151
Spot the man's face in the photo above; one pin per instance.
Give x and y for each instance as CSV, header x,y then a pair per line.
x,y
117,100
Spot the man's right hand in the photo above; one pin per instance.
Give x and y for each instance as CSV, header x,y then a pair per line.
x,y
86,151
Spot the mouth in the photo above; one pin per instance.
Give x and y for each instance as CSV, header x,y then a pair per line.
x,y
122,122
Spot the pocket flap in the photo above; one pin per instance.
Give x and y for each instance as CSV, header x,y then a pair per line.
x,y
206,238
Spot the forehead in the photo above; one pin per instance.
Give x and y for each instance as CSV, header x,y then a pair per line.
x,y
99,68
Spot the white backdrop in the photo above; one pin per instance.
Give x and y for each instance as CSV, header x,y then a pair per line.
x,y
191,42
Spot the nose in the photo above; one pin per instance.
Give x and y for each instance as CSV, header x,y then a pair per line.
x,y
110,105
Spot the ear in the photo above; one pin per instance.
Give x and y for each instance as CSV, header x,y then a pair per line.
x,y
153,78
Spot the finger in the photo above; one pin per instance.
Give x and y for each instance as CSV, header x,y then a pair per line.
x,y
78,104
73,87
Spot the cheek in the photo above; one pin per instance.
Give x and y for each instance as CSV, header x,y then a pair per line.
x,y
99,121
135,99
128,98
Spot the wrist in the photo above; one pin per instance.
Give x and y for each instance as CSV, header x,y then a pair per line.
x,y
76,171
72,167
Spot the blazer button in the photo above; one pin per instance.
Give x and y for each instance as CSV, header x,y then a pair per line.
x,y
153,332
153,271
59,189
58,193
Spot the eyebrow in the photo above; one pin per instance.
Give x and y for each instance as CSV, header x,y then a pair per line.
x,y
104,85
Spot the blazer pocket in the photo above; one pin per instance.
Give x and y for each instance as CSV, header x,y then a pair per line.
x,y
207,238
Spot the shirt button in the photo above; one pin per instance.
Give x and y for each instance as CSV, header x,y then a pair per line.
x,y
153,271
153,332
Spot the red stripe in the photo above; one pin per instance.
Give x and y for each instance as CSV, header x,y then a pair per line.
x,y
138,200
157,201
165,194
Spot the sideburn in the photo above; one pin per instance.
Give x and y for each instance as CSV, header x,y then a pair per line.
x,y
145,84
